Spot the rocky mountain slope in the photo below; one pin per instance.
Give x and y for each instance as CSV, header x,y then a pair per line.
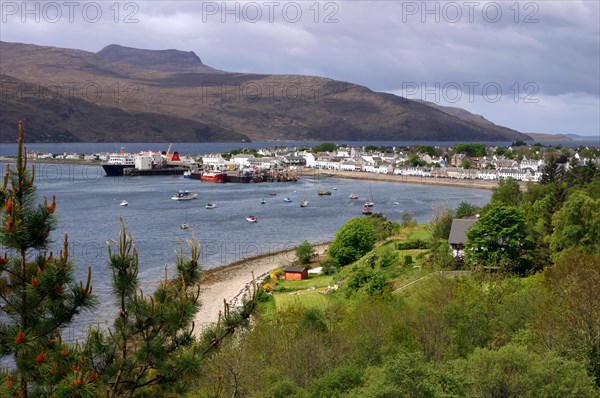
x,y
126,94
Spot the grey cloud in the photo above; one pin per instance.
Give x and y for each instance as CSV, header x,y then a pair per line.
x,y
379,44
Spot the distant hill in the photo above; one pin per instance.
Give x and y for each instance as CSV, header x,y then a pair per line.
x,y
161,60
577,137
467,116
550,137
129,94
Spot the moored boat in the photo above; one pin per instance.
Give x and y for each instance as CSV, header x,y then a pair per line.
x,y
251,218
262,201
304,203
367,211
212,176
117,162
184,195
124,203
211,206
287,199
369,203
323,193
353,196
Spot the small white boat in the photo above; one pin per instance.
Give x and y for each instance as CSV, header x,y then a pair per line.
x,y
262,201
185,224
396,204
369,203
251,218
353,196
187,174
304,203
184,195
287,199
124,203
211,206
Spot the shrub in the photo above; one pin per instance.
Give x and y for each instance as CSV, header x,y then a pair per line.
x,y
352,241
336,382
413,244
388,259
262,296
377,285
359,278
407,220
276,274
305,252
267,287
329,266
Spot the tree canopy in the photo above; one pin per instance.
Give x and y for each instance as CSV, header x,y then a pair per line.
x,y
352,241
508,192
577,224
325,147
500,238
305,252
477,150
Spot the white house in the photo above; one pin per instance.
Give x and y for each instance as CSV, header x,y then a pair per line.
x,y
534,165
328,163
215,160
385,169
343,153
308,157
350,165
487,174
241,159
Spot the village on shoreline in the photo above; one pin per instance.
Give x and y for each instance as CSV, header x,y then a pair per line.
x,y
466,165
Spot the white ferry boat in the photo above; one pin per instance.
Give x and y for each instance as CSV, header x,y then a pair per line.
x,y
117,162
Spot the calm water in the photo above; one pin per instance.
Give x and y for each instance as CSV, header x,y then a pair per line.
x,y
88,209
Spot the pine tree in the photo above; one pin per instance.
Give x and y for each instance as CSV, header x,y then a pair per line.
x,y
151,350
38,296
150,343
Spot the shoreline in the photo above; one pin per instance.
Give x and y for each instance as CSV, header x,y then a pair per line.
x,y
349,175
401,179
231,281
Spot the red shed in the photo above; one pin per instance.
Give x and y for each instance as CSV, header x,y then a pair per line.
x,y
295,273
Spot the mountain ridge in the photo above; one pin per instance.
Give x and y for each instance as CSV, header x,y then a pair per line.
x,y
190,94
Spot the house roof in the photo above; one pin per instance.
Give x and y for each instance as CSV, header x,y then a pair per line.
x,y
294,269
458,230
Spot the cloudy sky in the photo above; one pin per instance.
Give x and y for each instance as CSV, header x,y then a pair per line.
x,y
533,66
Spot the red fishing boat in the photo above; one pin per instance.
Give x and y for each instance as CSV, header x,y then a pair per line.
x,y
213,177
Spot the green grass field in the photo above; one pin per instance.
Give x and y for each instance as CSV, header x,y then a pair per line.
x,y
422,234
305,298
312,281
